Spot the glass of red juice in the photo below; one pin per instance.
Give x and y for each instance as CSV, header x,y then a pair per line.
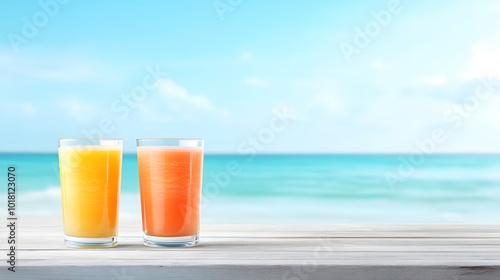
x,y
170,176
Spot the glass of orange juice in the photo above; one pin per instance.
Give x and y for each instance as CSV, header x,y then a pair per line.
x,y
90,172
170,175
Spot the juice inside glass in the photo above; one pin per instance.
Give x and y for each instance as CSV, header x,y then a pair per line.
x,y
90,172
170,175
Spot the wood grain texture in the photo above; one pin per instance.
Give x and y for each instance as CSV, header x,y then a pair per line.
x,y
295,252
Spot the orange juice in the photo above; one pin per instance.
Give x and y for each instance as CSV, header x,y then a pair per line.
x,y
170,182
90,185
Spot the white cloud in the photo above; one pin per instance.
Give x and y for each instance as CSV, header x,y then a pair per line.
x,y
17,109
246,56
485,61
322,95
478,131
73,73
436,81
330,103
78,109
150,112
176,95
256,82
380,65
29,109
313,84
179,102
60,68
488,111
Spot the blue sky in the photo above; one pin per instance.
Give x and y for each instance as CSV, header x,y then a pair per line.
x,y
257,74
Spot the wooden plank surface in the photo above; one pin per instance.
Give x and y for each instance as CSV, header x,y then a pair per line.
x,y
297,252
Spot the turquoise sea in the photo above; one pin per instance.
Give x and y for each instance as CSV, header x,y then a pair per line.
x,y
303,188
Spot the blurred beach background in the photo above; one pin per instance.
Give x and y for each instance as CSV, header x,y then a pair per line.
x,y
343,112
316,189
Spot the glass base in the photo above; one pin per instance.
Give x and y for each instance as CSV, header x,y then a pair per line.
x,y
178,241
86,243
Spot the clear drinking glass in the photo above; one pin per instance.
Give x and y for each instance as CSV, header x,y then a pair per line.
x,y
170,175
90,186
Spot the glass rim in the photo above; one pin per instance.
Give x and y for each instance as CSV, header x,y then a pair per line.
x,y
184,139
88,142
171,142
90,139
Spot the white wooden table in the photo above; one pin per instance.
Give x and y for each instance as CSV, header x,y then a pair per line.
x,y
295,252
